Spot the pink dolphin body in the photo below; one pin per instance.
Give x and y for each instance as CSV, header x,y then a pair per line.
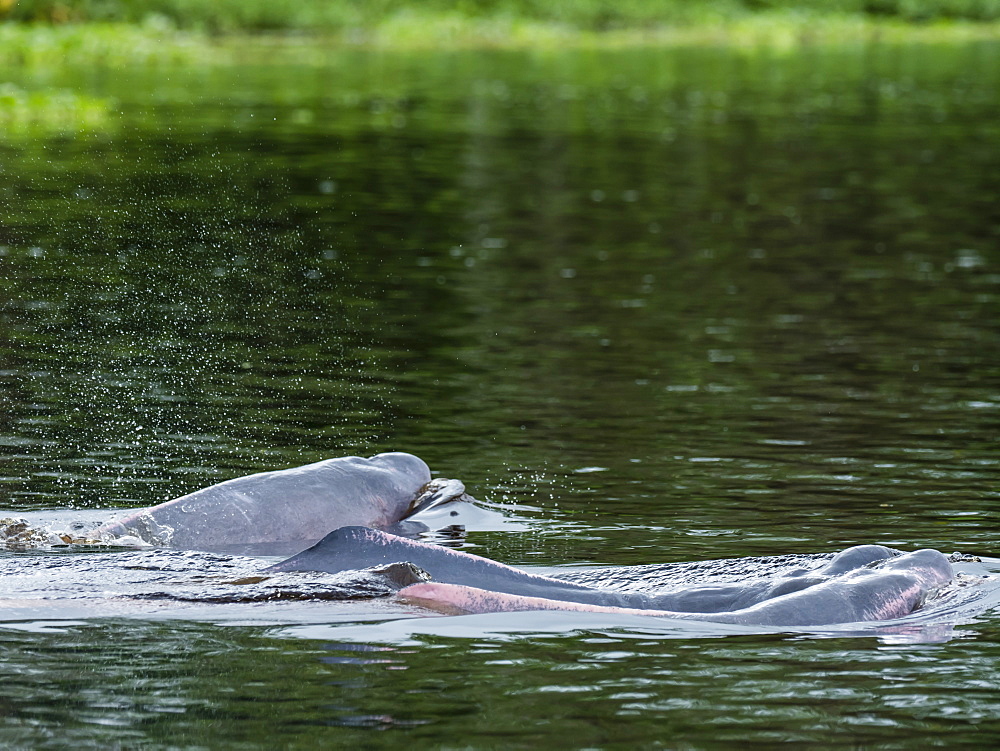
x,y
861,583
292,507
891,590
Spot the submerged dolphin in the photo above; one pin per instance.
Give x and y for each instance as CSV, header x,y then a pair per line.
x,y
892,590
292,507
863,583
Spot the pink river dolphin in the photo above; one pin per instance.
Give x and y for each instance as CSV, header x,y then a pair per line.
x,y
291,507
863,583
359,499
895,589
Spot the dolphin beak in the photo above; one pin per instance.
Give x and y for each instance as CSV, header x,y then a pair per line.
x,y
437,492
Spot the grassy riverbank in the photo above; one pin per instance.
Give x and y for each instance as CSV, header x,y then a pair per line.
x,y
46,35
158,40
584,15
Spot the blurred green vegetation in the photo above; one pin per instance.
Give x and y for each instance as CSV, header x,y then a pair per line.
x,y
115,45
35,33
50,112
332,15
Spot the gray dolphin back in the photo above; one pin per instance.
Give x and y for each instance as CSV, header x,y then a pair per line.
x,y
889,589
353,548
293,507
863,583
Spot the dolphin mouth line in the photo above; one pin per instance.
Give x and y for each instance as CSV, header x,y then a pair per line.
x,y
437,492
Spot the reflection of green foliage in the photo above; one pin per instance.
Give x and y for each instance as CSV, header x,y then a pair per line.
x,y
270,263
30,113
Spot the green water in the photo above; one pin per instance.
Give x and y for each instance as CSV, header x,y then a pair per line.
x,y
686,304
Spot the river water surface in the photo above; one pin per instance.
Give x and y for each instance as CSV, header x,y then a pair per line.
x,y
666,305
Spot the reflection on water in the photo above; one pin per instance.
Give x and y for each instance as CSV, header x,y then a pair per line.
x,y
757,291
596,688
